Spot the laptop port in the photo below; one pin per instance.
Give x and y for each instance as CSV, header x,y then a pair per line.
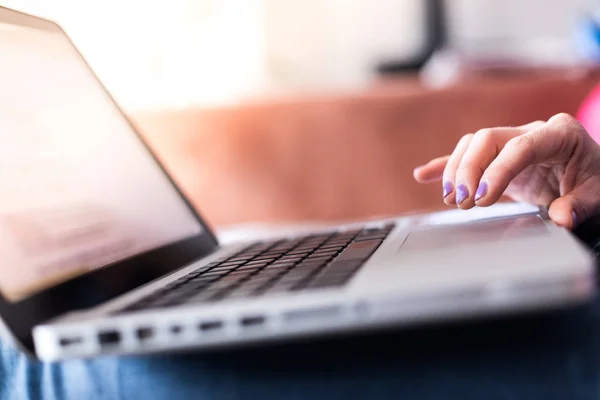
x,y
69,341
176,329
253,321
144,333
108,338
209,326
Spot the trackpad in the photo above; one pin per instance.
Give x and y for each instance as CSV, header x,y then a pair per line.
x,y
474,233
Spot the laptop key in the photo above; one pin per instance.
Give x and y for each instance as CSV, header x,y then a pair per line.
x,y
298,253
284,263
359,250
264,259
250,268
217,269
327,252
214,275
330,247
308,263
194,285
260,263
269,278
317,259
290,258
297,276
196,273
335,274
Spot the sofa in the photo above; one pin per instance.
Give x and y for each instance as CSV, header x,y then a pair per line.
x,y
340,156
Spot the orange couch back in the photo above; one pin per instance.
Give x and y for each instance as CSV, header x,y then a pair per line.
x,y
338,157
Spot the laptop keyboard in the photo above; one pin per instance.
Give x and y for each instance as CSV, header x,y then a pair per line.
x,y
311,262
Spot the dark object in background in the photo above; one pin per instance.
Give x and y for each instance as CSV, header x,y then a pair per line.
x,y
435,25
589,233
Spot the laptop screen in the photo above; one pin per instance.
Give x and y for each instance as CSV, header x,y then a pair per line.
x,y
78,189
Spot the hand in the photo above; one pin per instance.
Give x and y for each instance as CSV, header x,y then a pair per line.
x,y
554,163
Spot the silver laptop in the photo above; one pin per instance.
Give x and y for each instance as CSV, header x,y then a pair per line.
x,y
102,254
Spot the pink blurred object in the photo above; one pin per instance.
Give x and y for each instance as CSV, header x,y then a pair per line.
x,y
589,113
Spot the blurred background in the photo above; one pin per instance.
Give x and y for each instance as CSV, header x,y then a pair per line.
x,y
157,54
287,110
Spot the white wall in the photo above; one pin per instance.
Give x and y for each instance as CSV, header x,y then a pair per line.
x,y
474,21
157,53
337,43
165,53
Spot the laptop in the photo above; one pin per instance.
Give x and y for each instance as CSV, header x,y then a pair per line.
x,y
102,254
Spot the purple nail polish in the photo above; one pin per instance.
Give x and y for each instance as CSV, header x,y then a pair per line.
x,y
574,215
461,193
481,191
448,188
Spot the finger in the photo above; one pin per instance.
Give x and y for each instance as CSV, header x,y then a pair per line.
x,y
483,149
432,171
576,206
551,142
532,125
451,167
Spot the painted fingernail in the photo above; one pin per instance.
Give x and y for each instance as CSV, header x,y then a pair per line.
x,y
448,188
481,191
461,193
574,215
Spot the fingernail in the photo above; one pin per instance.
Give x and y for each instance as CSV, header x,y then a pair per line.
x,y
461,193
481,191
448,188
574,215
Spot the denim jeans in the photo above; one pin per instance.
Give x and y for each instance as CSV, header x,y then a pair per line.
x,y
551,356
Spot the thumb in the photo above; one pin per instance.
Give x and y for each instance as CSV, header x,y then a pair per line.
x,y
573,208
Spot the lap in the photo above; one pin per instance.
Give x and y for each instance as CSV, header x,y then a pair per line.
x,y
549,356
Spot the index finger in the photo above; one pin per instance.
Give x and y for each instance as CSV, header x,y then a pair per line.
x,y
551,142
